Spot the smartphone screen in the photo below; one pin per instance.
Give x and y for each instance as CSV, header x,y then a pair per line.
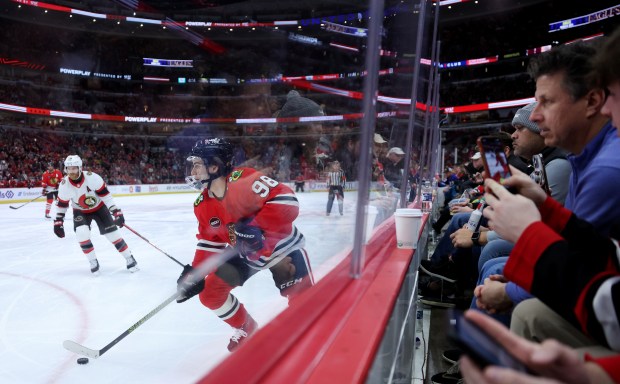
x,y
540,175
480,347
493,157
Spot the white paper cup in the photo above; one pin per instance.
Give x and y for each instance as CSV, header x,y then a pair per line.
x,y
407,227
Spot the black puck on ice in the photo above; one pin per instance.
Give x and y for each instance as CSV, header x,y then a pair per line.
x,y
82,360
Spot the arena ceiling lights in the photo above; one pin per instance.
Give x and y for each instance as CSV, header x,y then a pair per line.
x,y
187,24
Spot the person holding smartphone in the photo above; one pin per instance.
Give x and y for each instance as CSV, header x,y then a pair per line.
x,y
493,293
549,360
584,293
573,113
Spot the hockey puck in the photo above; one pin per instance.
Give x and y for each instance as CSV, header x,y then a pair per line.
x,y
82,360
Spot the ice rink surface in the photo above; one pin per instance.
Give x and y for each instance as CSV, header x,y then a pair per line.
x,y
48,295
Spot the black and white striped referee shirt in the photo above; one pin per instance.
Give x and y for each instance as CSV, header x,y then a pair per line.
x,y
336,178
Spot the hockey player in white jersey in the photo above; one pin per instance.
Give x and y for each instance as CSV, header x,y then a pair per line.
x,y
91,200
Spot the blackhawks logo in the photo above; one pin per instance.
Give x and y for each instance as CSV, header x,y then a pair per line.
x,y
235,175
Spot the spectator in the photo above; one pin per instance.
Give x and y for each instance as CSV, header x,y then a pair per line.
x,y
550,360
570,267
493,293
394,166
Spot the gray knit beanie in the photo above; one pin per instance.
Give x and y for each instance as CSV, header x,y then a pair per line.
x,y
298,106
522,117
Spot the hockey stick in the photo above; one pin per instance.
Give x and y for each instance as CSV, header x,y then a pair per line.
x,y
92,353
18,207
154,246
198,273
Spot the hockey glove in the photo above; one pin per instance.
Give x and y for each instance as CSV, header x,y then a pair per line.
x,y
188,288
250,240
44,192
59,229
119,219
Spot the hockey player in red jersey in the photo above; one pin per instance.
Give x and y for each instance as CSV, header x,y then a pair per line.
x,y
252,212
49,181
91,200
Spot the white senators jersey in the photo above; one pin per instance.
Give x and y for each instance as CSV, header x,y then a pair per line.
x,y
88,193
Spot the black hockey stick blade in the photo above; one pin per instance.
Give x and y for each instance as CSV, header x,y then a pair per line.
x,y
19,206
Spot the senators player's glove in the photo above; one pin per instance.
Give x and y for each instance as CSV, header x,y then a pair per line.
x,y
119,219
188,288
59,229
250,240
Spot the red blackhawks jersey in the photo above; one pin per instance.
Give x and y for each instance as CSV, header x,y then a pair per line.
x,y
250,195
50,180
87,194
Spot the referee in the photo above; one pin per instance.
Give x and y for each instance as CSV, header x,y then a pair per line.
x,y
335,181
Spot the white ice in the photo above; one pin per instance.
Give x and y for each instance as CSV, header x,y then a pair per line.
x,y
48,295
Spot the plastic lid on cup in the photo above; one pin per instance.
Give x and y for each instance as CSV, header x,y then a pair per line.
x,y
408,212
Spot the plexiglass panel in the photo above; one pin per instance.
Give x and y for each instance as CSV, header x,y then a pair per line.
x,y
131,87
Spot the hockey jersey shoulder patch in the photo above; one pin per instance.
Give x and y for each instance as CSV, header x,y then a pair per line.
x,y
235,175
199,200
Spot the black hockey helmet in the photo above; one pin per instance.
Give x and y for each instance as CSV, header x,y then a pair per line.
x,y
216,151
